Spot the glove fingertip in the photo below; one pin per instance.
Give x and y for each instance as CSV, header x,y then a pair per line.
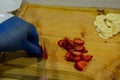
x,y
33,50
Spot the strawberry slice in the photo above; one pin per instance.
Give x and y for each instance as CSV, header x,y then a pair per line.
x,y
72,58
85,50
87,57
76,53
68,56
80,65
68,47
78,41
62,43
71,50
79,48
75,58
70,44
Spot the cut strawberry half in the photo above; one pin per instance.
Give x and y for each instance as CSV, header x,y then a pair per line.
x,y
68,56
75,50
78,41
68,47
71,50
75,58
72,58
70,44
76,53
87,57
79,48
85,50
80,65
62,43
45,56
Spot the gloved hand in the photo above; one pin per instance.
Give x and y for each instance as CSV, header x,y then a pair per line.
x,y
17,34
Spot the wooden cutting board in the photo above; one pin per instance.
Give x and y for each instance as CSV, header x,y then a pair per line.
x,y
54,23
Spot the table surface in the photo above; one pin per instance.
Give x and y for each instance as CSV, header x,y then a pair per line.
x,y
54,23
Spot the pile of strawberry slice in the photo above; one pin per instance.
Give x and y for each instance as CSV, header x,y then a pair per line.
x,y
76,52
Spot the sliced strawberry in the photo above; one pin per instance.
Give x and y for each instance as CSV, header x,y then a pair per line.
x,y
87,57
76,53
79,48
80,65
70,44
78,41
85,50
68,56
62,43
71,50
75,58
68,47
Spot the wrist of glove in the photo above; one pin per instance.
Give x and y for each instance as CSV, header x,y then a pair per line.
x,y
17,34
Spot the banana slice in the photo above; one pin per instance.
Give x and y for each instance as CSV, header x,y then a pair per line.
x,y
98,29
108,23
98,22
116,26
118,15
117,22
101,17
102,36
105,29
105,35
112,16
115,29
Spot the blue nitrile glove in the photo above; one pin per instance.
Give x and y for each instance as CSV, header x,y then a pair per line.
x,y
17,34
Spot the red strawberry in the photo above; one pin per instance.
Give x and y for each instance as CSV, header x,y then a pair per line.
x,y
79,48
75,58
87,57
70,44
85,50
68,47
62,43
78,41
76,53
71,50
68,56
80,65
71,57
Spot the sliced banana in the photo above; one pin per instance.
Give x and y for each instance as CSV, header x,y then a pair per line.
x,y
108,23
98,22
101,17
102,36
117,25
117,22
118,15
115,29
111,16
107,34
98,29
105,29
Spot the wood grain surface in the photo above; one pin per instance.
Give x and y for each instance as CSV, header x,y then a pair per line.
x,y
54,23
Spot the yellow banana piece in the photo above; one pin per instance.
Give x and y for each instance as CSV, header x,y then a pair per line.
x,y
101,17
111,17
